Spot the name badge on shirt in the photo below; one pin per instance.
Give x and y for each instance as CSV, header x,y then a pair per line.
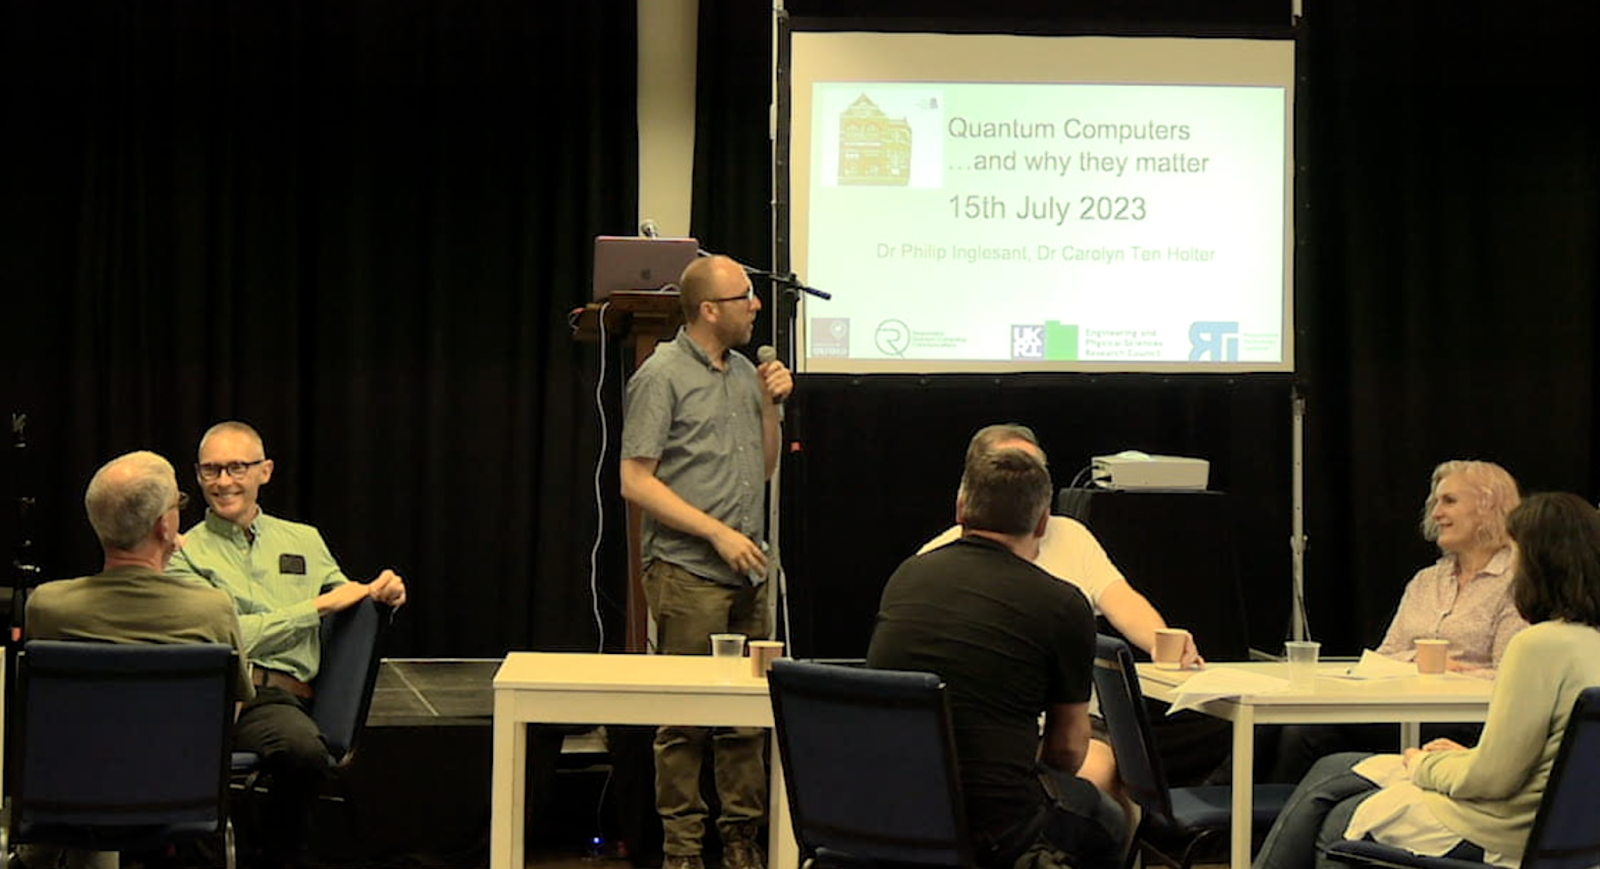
x,y
292,564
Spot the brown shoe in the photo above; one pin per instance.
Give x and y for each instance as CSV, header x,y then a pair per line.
x,y
682,861
743,854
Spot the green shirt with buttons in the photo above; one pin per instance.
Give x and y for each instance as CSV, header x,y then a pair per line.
x,y
274,573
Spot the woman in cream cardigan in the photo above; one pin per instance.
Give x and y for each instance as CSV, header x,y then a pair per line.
x,y
1474,803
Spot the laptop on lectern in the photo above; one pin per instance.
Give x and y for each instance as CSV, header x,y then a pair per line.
x,y
625,262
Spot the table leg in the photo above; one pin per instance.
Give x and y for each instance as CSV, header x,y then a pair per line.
x,y
1410,735
1244,761
508,797
783,850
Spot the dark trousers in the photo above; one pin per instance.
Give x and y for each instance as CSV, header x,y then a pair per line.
x,y
687,610
1078,826
1317,814
277,725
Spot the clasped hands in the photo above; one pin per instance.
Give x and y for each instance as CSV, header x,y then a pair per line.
x,y
1440,744
388,588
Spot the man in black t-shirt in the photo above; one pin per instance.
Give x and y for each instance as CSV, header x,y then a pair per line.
x,y
1010,641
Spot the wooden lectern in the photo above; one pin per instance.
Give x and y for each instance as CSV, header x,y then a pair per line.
x,y
644,319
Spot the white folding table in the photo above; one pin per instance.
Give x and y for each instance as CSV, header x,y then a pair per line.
x,y
549,688
1408,701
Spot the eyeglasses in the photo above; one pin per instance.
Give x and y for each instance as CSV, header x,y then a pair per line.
x,y
746,296
208,471
183,502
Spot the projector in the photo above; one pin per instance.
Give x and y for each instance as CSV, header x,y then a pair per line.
x,y
1131,469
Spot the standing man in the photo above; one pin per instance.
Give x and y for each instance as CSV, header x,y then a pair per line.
x,y
282,580
700,437
1010,642
133,503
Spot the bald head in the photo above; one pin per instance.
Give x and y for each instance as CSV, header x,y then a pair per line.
x,y
707,278
127,497
233,427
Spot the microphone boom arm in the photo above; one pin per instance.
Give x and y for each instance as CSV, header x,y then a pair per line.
x,y
788,281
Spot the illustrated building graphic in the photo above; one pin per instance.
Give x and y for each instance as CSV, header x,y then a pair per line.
x,y
874,149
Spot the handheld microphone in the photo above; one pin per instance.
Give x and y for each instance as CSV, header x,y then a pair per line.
x,y
649,229
764,354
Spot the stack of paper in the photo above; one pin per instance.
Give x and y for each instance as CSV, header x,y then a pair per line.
x,y
1214,683
1375,666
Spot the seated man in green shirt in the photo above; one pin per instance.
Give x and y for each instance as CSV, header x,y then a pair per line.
x,y
282,580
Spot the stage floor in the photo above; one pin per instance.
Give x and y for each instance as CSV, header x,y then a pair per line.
x,y
417,791
413,692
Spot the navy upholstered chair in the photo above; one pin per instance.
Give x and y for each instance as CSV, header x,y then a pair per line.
x,y
344,683
121,746
1178,822
870,764
350,657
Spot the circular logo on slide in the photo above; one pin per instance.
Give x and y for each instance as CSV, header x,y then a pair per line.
x,y
892,337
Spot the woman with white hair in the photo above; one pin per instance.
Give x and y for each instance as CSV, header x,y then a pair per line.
x,y
1474,804
1464,597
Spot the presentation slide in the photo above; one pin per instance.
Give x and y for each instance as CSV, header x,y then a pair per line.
x,y
1077,208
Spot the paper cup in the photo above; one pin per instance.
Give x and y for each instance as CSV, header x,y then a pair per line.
x,y
1170,643
1432,655
762,654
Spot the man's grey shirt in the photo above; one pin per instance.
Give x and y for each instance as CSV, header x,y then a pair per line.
x,y
704,427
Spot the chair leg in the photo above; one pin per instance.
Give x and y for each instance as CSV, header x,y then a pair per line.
x,y
1194,849
229,861
1130,854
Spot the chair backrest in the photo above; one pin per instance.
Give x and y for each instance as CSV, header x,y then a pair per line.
x,y
347,675
1116,684
870,763
1565,834
111,735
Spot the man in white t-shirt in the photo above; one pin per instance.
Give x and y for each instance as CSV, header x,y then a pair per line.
x,y
1070,553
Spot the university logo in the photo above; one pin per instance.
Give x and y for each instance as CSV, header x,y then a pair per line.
x,y
830,336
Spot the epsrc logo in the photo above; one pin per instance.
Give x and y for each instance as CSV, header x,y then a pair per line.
x,y
1214,341
1027,342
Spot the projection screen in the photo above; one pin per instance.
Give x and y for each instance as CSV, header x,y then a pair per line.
x,y
987,203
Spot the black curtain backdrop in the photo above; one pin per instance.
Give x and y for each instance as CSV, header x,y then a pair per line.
x,y
732,156
1451,237
358,225
1447,273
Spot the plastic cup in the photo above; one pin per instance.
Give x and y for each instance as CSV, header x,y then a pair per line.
x,y
1170,643
1302,657
762,654
728,649
1431,656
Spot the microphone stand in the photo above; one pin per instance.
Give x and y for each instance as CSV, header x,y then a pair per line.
x,y
788,282
26,574
779,607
